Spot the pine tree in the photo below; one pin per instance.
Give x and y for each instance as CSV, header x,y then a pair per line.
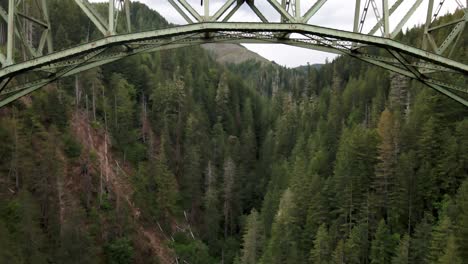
x,y
357,244
229,179
353,173
383,245
450,255
192,179
167,193
283,244
462,220
420,244
321,253
402,252
385,179
338,256
252,239
439,238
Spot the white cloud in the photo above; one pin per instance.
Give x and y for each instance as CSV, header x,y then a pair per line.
x,y
338,14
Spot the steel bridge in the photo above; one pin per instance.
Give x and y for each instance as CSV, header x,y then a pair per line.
x,y
28,64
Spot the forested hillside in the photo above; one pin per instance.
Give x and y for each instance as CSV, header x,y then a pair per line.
x,y
171,156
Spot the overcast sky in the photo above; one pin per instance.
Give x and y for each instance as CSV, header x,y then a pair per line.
x,y
337,14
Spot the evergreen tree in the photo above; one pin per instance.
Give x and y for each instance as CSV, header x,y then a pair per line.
x,y
356,246
229,179
462,221
383,245
439,238
321,252
402,251
420,244
338,256
450,254
385,180
283,244
252,239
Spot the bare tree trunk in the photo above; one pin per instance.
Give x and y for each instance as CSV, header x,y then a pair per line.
x,y
105,139
115,111
87,108
94,102
14,167
77,92
143,118
100,184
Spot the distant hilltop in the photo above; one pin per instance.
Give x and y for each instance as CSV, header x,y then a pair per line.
x,y
227,53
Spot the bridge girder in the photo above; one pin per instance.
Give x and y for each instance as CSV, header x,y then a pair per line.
x,y
415,63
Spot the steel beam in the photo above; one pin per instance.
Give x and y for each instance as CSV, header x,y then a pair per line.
x,y
179,10
386,18
357,14
214,27
223,10
111,27
190,9
45,10
313,10
127,14
10,33
93,15
409,61
430,10
405,19
280,9
257,12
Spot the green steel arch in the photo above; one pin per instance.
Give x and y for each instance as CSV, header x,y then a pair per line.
x,y
425,64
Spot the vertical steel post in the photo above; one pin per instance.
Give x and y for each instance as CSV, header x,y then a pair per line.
x,y
430,10
386,18
111,30
357,14
298,9
127,13
207,10
283,4
11,32
45,10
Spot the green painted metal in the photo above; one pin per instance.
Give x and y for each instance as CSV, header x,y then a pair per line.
x,y
190,9
378,25
93,15
180,11
11,32
409,61
405,19
257,12
213,27
127,14
357,14
111,19
313,10
386,18
280,9
223,10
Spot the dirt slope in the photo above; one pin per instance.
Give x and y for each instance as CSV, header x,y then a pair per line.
x,y
116,179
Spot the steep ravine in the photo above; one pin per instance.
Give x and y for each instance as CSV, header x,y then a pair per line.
x,y
116,179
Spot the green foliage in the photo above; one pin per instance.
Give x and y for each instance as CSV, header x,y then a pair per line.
x,y
188,249
450,254
71,147
383,245
252,240
321,252
120,251
402,252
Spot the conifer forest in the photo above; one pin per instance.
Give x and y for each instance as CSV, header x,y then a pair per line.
x,y
173,157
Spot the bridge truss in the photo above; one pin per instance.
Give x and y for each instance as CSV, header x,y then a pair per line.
x,y
40,64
